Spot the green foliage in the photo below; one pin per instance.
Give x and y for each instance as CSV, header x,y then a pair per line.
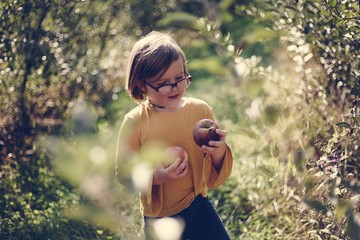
x,y
332,37
322,93
55,51
52,56
331,28
32,196
87,163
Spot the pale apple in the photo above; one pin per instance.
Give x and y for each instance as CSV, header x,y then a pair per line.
x,y
172,153
205,131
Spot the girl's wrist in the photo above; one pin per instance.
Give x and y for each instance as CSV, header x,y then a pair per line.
x,y
218,160
219,157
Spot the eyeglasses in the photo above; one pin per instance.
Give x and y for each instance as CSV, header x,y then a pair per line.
x,y
181,84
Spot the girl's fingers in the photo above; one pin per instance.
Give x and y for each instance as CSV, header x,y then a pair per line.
x,y
221,132
184,171
178,168
174,165
182,166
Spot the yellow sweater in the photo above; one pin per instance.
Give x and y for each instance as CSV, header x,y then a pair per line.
x,y
175,128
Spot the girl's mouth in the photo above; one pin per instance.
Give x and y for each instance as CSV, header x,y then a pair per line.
x,y
174,96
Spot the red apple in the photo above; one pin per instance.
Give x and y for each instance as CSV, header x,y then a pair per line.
x,y
205,131
172,153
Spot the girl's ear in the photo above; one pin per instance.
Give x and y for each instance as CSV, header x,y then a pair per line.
x,y
141,86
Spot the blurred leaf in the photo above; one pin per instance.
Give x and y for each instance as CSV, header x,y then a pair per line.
x,y
210,64
332,3
271,114
249,132
181,19
225,4
315,204
258,35
299,161
325,13
357,119
266,170
254,84
341,23
355,199
99,217
353,226
341,209
309,183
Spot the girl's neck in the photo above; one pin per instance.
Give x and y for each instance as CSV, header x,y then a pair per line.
x,y
161,108
153,105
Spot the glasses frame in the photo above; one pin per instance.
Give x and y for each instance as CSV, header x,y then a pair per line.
x,y
188,77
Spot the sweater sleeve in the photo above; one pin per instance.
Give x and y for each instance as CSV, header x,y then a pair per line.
x,y
153,198
214,178
126,148
127,158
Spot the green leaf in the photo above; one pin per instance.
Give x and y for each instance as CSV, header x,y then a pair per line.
x,y
332,3
341,23
324,13
344,124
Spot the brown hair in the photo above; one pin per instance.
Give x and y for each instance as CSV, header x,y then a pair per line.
x,y
151,56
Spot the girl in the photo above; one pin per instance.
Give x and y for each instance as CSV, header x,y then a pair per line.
x,y
157,78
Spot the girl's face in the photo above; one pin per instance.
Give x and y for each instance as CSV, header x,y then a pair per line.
x,y
174,74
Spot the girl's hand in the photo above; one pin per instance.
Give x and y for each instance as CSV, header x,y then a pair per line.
x,y
217,149
176,170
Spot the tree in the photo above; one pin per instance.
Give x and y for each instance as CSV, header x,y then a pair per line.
x,y
51,57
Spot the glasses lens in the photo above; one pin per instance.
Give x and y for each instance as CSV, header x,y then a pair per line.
x,y
181,85
165,89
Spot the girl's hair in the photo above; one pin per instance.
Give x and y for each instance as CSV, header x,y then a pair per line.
x,y
151,56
